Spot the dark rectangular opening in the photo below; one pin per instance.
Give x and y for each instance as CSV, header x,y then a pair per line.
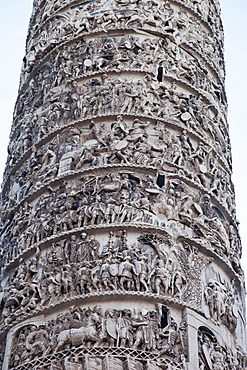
x,y
161,180
160,74
164,317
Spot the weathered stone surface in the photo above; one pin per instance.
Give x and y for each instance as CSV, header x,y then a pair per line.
x,y
120,247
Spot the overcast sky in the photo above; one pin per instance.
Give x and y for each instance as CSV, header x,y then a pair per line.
x,y
14,17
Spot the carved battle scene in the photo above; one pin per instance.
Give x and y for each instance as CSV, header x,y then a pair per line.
x,y
115,143
120,245
212,355
81,265
170,20
88,56
92,327
184,108
122,197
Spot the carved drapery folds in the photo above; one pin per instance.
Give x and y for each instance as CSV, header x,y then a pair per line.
x,y
118,222
92,328
213,355
81,266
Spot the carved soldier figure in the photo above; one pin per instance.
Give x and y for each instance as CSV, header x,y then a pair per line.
x,y
117,193
95,276
123,328
141,271
83,279
126,273
161,278
105,275
217,358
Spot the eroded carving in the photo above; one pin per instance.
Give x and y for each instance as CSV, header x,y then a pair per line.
x,y
93,327
118,191
84,266
212,355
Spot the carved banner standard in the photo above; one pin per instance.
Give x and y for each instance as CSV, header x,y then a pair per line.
x,y
120,245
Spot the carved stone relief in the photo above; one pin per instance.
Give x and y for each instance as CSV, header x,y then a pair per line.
x,y
136,95
208,10
125,52
125,142
118,223
122,197
212,355
81,20
222,301
148,264
144,202
94,327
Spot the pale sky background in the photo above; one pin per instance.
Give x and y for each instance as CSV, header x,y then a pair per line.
x,y
14,18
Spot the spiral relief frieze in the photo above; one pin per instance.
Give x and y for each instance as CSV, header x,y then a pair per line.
x,y
120,246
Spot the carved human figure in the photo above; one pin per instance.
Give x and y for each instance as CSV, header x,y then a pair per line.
x,y
169,337
105,275
126,273
161,278
83,279
111,327
141,323
95,276
66,280
217,357
36,341
123,328
141,273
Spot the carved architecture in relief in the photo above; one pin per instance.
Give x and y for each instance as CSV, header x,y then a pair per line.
x,y
120,247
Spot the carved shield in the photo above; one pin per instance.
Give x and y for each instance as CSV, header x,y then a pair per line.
x,y
185,116
121,144
73,216
124,127
152,190
203,168
235,311
87,63
206,356
111,328
198,208
113,269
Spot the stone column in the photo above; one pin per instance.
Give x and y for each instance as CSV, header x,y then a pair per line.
x,y
120,247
